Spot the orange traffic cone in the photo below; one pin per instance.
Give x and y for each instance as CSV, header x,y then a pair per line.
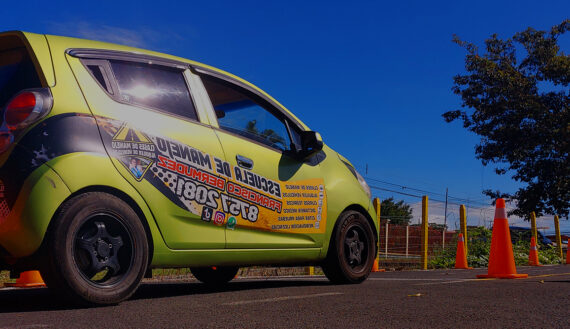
x,y
461,256
376,266
28,279
533,253
501,258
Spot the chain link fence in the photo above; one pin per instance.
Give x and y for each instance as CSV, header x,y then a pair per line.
x,y
400,245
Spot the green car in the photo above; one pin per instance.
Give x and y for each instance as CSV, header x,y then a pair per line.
x,y
116,160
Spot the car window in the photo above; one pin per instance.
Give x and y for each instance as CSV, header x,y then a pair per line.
x,y
17,72
158,87
99,73
240,112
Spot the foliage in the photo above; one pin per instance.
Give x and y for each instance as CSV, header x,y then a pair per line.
x,y
479,247
520,108
439,227
5,277
397,212
442,258
546,254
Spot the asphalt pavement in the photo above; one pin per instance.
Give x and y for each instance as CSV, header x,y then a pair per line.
x,y
407,299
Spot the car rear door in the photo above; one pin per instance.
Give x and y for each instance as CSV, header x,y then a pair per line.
x,y
159,140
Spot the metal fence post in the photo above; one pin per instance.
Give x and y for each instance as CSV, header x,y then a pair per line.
x,y
463,225
424,236
386,247
407,239
377,207
558,239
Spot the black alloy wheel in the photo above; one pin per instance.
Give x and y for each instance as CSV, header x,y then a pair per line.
x,y
103,249
96,250
352,249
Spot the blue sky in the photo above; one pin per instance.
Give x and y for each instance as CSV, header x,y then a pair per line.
x,y
372,77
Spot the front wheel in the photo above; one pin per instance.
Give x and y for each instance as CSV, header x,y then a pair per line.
x,y
215,275
351,251
97,250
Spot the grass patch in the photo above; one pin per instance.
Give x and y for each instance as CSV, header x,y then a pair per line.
x,y
5,277
184,274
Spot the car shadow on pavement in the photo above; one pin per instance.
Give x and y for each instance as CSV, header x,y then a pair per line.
x,y
41,299
173,289
30,300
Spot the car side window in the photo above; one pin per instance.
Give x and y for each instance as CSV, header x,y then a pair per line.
x,y
241,112
98,71
153,86
159,87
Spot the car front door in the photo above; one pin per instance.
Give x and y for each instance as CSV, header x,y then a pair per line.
x,y
273,198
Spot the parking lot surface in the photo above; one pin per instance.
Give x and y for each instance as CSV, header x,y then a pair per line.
x,y
409,299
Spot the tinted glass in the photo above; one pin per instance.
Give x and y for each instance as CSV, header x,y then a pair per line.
x,y
17,72
240,112
99,75
154,86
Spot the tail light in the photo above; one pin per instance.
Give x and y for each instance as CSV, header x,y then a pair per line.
x,y
27,107
24,109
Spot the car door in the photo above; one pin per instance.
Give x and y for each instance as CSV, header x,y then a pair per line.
x,y
158,139
273,198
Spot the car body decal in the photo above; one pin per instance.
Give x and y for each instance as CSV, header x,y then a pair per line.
x,y
206,186
213,189
55,136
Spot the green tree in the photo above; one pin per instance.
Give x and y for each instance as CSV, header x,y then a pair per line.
x,y
515,96
397,212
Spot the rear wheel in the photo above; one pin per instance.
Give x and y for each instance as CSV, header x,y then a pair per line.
x,y
97,250
215,275
351,251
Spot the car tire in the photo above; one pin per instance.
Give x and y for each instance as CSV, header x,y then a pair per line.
x,y
351,251
97,250
214,275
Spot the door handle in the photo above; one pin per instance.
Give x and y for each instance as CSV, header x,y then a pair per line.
x,y
244,162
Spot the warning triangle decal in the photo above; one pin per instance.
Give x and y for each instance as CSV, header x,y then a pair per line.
x,y
127,134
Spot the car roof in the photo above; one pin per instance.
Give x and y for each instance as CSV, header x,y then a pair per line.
x,y
73,43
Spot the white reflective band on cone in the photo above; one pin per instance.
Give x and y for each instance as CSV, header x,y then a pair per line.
x,y
500,213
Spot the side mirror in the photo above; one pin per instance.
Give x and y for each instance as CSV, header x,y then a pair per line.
x,y
311,143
